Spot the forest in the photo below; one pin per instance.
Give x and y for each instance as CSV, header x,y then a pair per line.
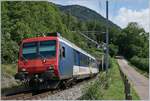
x,y
24,19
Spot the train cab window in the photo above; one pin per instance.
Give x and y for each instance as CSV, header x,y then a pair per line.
x,y
29,50
47,48
63,52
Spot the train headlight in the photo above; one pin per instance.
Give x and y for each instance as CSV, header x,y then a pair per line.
x,y
23,69
44,61
51,67
36,75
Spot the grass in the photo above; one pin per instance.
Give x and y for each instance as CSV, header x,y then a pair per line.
x,y
116,86
134,94
108,87
9,89
8,69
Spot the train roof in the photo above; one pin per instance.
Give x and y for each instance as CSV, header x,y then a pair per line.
x,y
57,35
38,39
74,46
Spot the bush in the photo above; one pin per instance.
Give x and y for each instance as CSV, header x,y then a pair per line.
x,y
141,63
95,90
113,49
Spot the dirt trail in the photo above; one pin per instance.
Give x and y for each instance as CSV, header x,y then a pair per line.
x,y
140,83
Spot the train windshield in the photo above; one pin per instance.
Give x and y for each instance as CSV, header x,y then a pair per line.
x,y
46,49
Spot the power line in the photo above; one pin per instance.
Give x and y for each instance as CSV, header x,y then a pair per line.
x,y
95,42
99,45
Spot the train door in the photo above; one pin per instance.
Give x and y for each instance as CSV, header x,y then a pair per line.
x,y
78,58
76,63
65,61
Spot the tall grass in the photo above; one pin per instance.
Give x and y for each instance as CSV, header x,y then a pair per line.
x,y
9,69
95,90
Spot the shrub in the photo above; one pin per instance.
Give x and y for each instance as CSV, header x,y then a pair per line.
x,y
95,90
141,63
113,49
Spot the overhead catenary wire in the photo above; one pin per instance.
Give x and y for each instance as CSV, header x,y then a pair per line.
x,y
102,44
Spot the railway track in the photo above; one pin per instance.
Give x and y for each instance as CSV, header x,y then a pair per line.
x,y
30,95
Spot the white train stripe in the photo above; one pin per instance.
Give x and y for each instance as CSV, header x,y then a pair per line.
x,y
80,70
95,70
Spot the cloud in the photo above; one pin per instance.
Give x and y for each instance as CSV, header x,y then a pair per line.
x,y
128,15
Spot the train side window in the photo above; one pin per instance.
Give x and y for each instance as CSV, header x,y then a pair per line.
x,y
63,52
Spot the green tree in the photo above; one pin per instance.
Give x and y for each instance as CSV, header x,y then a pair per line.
x,y
132,40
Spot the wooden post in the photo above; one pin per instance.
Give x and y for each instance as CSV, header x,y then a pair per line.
x,y
127,90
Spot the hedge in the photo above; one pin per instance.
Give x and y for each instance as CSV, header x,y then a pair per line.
x,y
141,63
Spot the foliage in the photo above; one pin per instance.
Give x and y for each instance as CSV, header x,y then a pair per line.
x,y
141,63
133,41
113,49
95,90
9,69
134,45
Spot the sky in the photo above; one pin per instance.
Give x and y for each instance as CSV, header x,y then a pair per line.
x,y
121,12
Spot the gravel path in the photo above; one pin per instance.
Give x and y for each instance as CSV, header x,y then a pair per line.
x,y
140,83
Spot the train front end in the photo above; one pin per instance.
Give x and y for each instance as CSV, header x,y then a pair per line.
x,y
38,61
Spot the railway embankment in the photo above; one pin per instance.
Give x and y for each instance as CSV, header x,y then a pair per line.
x,y
7,73
8,83
108,87
72,93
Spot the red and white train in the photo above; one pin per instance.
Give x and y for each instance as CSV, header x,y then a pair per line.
x,y
53,60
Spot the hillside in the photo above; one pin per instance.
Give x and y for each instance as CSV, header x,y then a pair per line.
x,y
85,14
89,20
